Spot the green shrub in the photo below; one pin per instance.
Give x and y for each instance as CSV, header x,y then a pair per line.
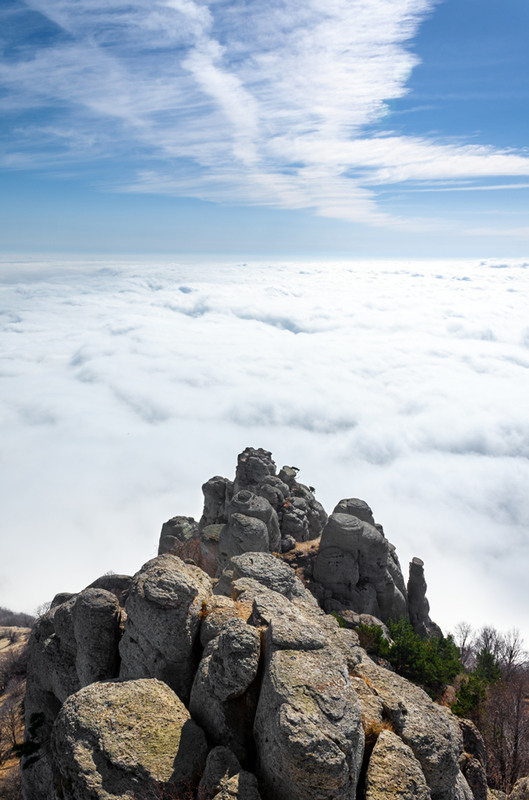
x,y
432,662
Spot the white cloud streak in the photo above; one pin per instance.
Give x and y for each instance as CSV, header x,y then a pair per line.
x,y
125,386
240,102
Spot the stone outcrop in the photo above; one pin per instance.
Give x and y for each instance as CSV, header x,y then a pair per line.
x,y
221,699
430,730
216,669
73,644
125,739
418,605
394,772
358,568
163,617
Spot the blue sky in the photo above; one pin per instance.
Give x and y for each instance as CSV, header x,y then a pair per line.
x,y
336,128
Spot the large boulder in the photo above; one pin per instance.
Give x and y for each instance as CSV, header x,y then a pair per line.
x,y
253,466
180,537
220,700
242,535
96,625
125,740
267,570
430,730
164,610
252,505
356,565
71,645
307,728
393,772
217,492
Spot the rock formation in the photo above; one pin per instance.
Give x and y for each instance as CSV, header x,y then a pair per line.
x,y
221,676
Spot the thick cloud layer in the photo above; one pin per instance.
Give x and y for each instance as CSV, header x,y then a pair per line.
x,y
125,386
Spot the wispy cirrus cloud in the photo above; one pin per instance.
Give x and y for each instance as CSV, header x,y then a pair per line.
x,y
233,102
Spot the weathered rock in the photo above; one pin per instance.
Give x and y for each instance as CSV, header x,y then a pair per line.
x,y
209,549
227,670
350,619
354,564
217,492
307,727
462,789
242,786
76,641
267,570
394,772
288,543
233,660
96,624
520,790
473,740
221,765
180,537
217,611
252,505
430,730
418,605
356,508
294,520
125,740
163,616
118,585
242,535
61,598
253,466
274,490
475,776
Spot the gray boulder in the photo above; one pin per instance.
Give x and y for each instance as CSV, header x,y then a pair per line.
x,y
125,740
394,772
253,466
356,508
209,549
430,730
307,728
226,672
221,765
355,564
418,605
164,609
118,585
180,537
242,535
242,786
96,624
75,643
252,505
215,613
267,570
273,489
217,492
475,776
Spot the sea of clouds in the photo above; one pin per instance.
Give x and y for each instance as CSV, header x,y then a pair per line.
x,y
126,385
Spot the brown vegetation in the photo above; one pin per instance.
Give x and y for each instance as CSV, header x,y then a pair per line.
x,y
13,662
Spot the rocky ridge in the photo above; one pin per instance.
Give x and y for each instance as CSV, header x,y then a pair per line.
x,y
217,672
